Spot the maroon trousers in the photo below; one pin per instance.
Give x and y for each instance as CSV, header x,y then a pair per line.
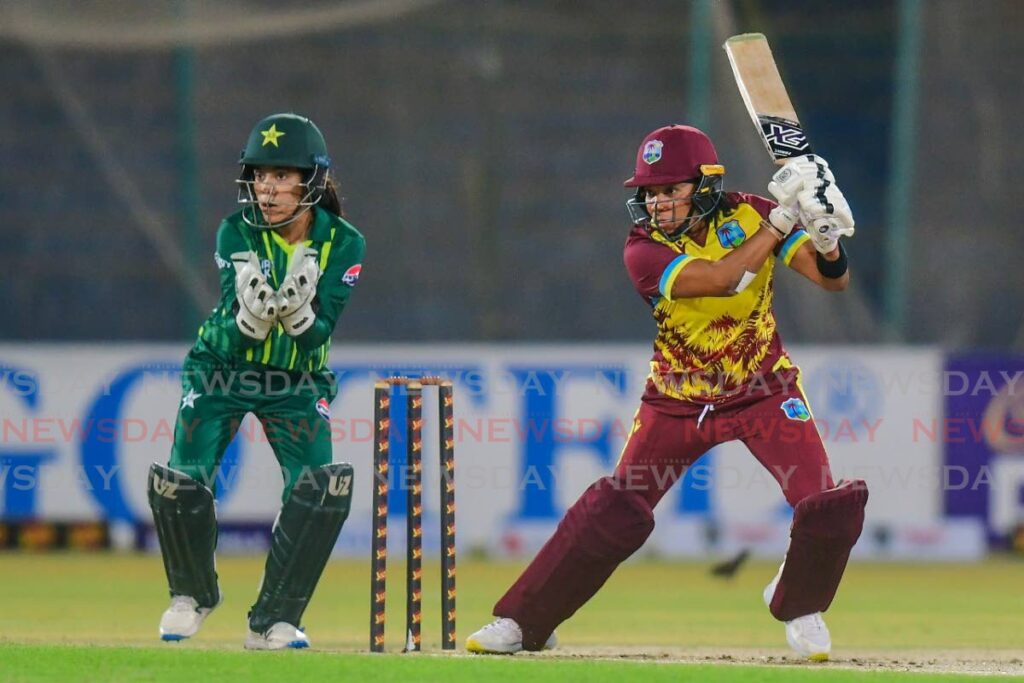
x,y
614,516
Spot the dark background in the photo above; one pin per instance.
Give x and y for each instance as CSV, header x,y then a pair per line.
x,y
481,148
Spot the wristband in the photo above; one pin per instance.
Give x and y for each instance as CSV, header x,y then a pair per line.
x,y
833,270
775,231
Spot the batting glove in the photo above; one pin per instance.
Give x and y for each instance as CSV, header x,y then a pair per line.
x,y
783,220
826,212
805,172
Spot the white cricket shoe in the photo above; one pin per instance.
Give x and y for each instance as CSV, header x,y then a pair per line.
x,y
807,635
182,619
502,637
280,636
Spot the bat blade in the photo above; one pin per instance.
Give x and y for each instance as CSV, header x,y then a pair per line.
x,y
765,96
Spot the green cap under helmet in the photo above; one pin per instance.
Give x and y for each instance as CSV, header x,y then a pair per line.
x,y
284,141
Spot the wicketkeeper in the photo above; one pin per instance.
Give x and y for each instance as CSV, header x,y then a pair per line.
x,y
704,261
288,263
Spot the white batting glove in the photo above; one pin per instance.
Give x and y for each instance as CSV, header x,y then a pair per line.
x,y
826,212
824,242
783,219
295,295
257,305
805,172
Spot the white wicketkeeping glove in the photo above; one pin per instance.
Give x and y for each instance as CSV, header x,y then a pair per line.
x,y
295,295
805,172
257,305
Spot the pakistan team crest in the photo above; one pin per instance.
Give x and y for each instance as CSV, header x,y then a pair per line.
x,y
652,151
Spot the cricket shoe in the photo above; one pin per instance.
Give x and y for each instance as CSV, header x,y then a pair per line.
x,y
807,635
280,636
183,618
502,637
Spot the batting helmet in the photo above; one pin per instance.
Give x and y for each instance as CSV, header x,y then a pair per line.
x,y
672,154
283,141
677,154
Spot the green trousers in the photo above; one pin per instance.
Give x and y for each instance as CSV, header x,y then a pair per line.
x,y
292,407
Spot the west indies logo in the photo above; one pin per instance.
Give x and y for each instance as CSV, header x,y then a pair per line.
x,y
652,151
731,235
796,409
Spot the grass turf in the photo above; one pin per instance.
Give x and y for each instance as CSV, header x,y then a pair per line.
x,y
70,663
51,603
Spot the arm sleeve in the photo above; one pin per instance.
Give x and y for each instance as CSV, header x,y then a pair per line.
x,y
230,241
789,246
653,267
334,289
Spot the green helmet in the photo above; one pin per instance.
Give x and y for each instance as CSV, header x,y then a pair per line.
x,y
285,140
289,141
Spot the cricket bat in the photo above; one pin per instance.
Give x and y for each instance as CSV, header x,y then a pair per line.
x,y
765,95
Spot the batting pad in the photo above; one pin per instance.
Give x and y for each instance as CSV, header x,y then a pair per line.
x,y
825,528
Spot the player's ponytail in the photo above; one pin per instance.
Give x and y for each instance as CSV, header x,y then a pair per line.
x,y
330,201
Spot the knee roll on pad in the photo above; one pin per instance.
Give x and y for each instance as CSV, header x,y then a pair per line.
x,y
826,526
186,524
304,536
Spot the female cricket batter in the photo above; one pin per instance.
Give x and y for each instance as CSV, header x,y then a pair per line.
x,y
288,263
704,260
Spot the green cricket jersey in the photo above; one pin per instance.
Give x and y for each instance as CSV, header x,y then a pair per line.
x,y
341,249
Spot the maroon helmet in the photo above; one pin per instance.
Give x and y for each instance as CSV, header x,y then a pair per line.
x,y
677,154
672,154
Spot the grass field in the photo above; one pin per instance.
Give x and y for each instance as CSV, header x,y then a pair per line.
x,y
94,617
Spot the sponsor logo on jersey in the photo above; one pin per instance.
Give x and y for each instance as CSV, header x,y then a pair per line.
x,y
323,409
652,151
221,263
351,276
731,235
266,266
796,409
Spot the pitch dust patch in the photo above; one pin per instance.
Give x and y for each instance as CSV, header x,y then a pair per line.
x,y
967,661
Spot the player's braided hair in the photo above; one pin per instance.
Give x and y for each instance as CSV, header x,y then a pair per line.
x,y
725,205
